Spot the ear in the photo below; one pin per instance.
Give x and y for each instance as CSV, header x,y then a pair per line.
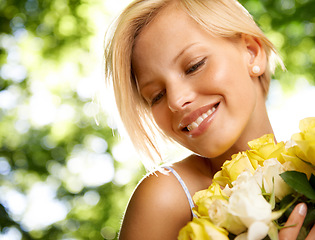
x,y
256,55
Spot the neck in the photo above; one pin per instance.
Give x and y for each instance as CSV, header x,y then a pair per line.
x,y
258,126
216,163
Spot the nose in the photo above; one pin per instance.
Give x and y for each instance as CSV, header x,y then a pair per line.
x,y
179,95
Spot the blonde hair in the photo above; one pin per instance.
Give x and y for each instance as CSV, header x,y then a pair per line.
x,y
221,18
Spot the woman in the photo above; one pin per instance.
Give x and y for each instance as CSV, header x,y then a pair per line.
x,y
199,71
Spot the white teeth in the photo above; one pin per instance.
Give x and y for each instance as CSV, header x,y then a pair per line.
x,y
196,123
192,126
199,120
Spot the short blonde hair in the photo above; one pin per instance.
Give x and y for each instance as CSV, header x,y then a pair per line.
x,y
221,18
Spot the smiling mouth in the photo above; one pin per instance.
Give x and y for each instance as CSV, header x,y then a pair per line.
x,y
200,119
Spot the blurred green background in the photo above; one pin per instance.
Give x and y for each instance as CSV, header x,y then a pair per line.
x,y
64,171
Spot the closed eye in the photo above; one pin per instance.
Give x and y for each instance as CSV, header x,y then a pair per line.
x,y
158,97
196,66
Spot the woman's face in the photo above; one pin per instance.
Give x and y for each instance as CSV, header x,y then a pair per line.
x,y
198,86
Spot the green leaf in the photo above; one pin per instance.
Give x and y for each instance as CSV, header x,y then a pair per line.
x,y
273,196
299,182
285,202
302,234
312,181
310,217
273,232
285,206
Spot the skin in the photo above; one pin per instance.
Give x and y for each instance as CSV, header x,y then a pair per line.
x,y
224,75
296,219
182,74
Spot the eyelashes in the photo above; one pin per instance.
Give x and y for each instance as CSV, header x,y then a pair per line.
x,y
195,67
158,97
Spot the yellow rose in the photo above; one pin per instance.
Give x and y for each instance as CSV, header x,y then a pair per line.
x,y
259,142
305,141
202,229
264,148
237,165
255,158
204,198
221,179
307,125
292,162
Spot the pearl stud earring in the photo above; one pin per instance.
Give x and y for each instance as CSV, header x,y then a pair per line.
x,y
256,69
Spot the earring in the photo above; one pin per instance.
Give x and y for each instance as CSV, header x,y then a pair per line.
x,y
256,69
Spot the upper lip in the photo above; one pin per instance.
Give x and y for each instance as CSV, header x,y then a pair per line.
x,y
195,115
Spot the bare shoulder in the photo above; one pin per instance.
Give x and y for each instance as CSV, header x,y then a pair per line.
x,y
158,209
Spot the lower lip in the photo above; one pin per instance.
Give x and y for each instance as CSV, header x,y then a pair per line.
x,y
203,125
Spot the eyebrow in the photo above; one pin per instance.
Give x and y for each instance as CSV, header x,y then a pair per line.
x,y
183,51
186,48
140,88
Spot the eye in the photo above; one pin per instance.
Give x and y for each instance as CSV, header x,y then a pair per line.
x,y
158,97
195,67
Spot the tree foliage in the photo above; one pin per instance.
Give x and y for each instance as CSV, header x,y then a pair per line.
x,y
290,25
51,148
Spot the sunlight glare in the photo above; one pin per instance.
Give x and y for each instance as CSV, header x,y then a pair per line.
x,y
9,98
286,111
15,201
42,203
5,167
10,234
92,168
42,108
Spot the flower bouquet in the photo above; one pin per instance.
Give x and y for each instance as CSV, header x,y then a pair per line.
x,y
255,192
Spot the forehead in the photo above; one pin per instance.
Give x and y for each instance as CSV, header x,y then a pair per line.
x,y
170,17
171,29
170,41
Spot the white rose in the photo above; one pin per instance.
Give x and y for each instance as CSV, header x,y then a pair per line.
x,y
271,170
227,191
242,182
247,202
218,214
257,231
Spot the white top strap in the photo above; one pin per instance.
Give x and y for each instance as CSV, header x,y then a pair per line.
x,y
191,202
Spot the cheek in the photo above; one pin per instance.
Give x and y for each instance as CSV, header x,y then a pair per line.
x,y
236,80
225,74
162,118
